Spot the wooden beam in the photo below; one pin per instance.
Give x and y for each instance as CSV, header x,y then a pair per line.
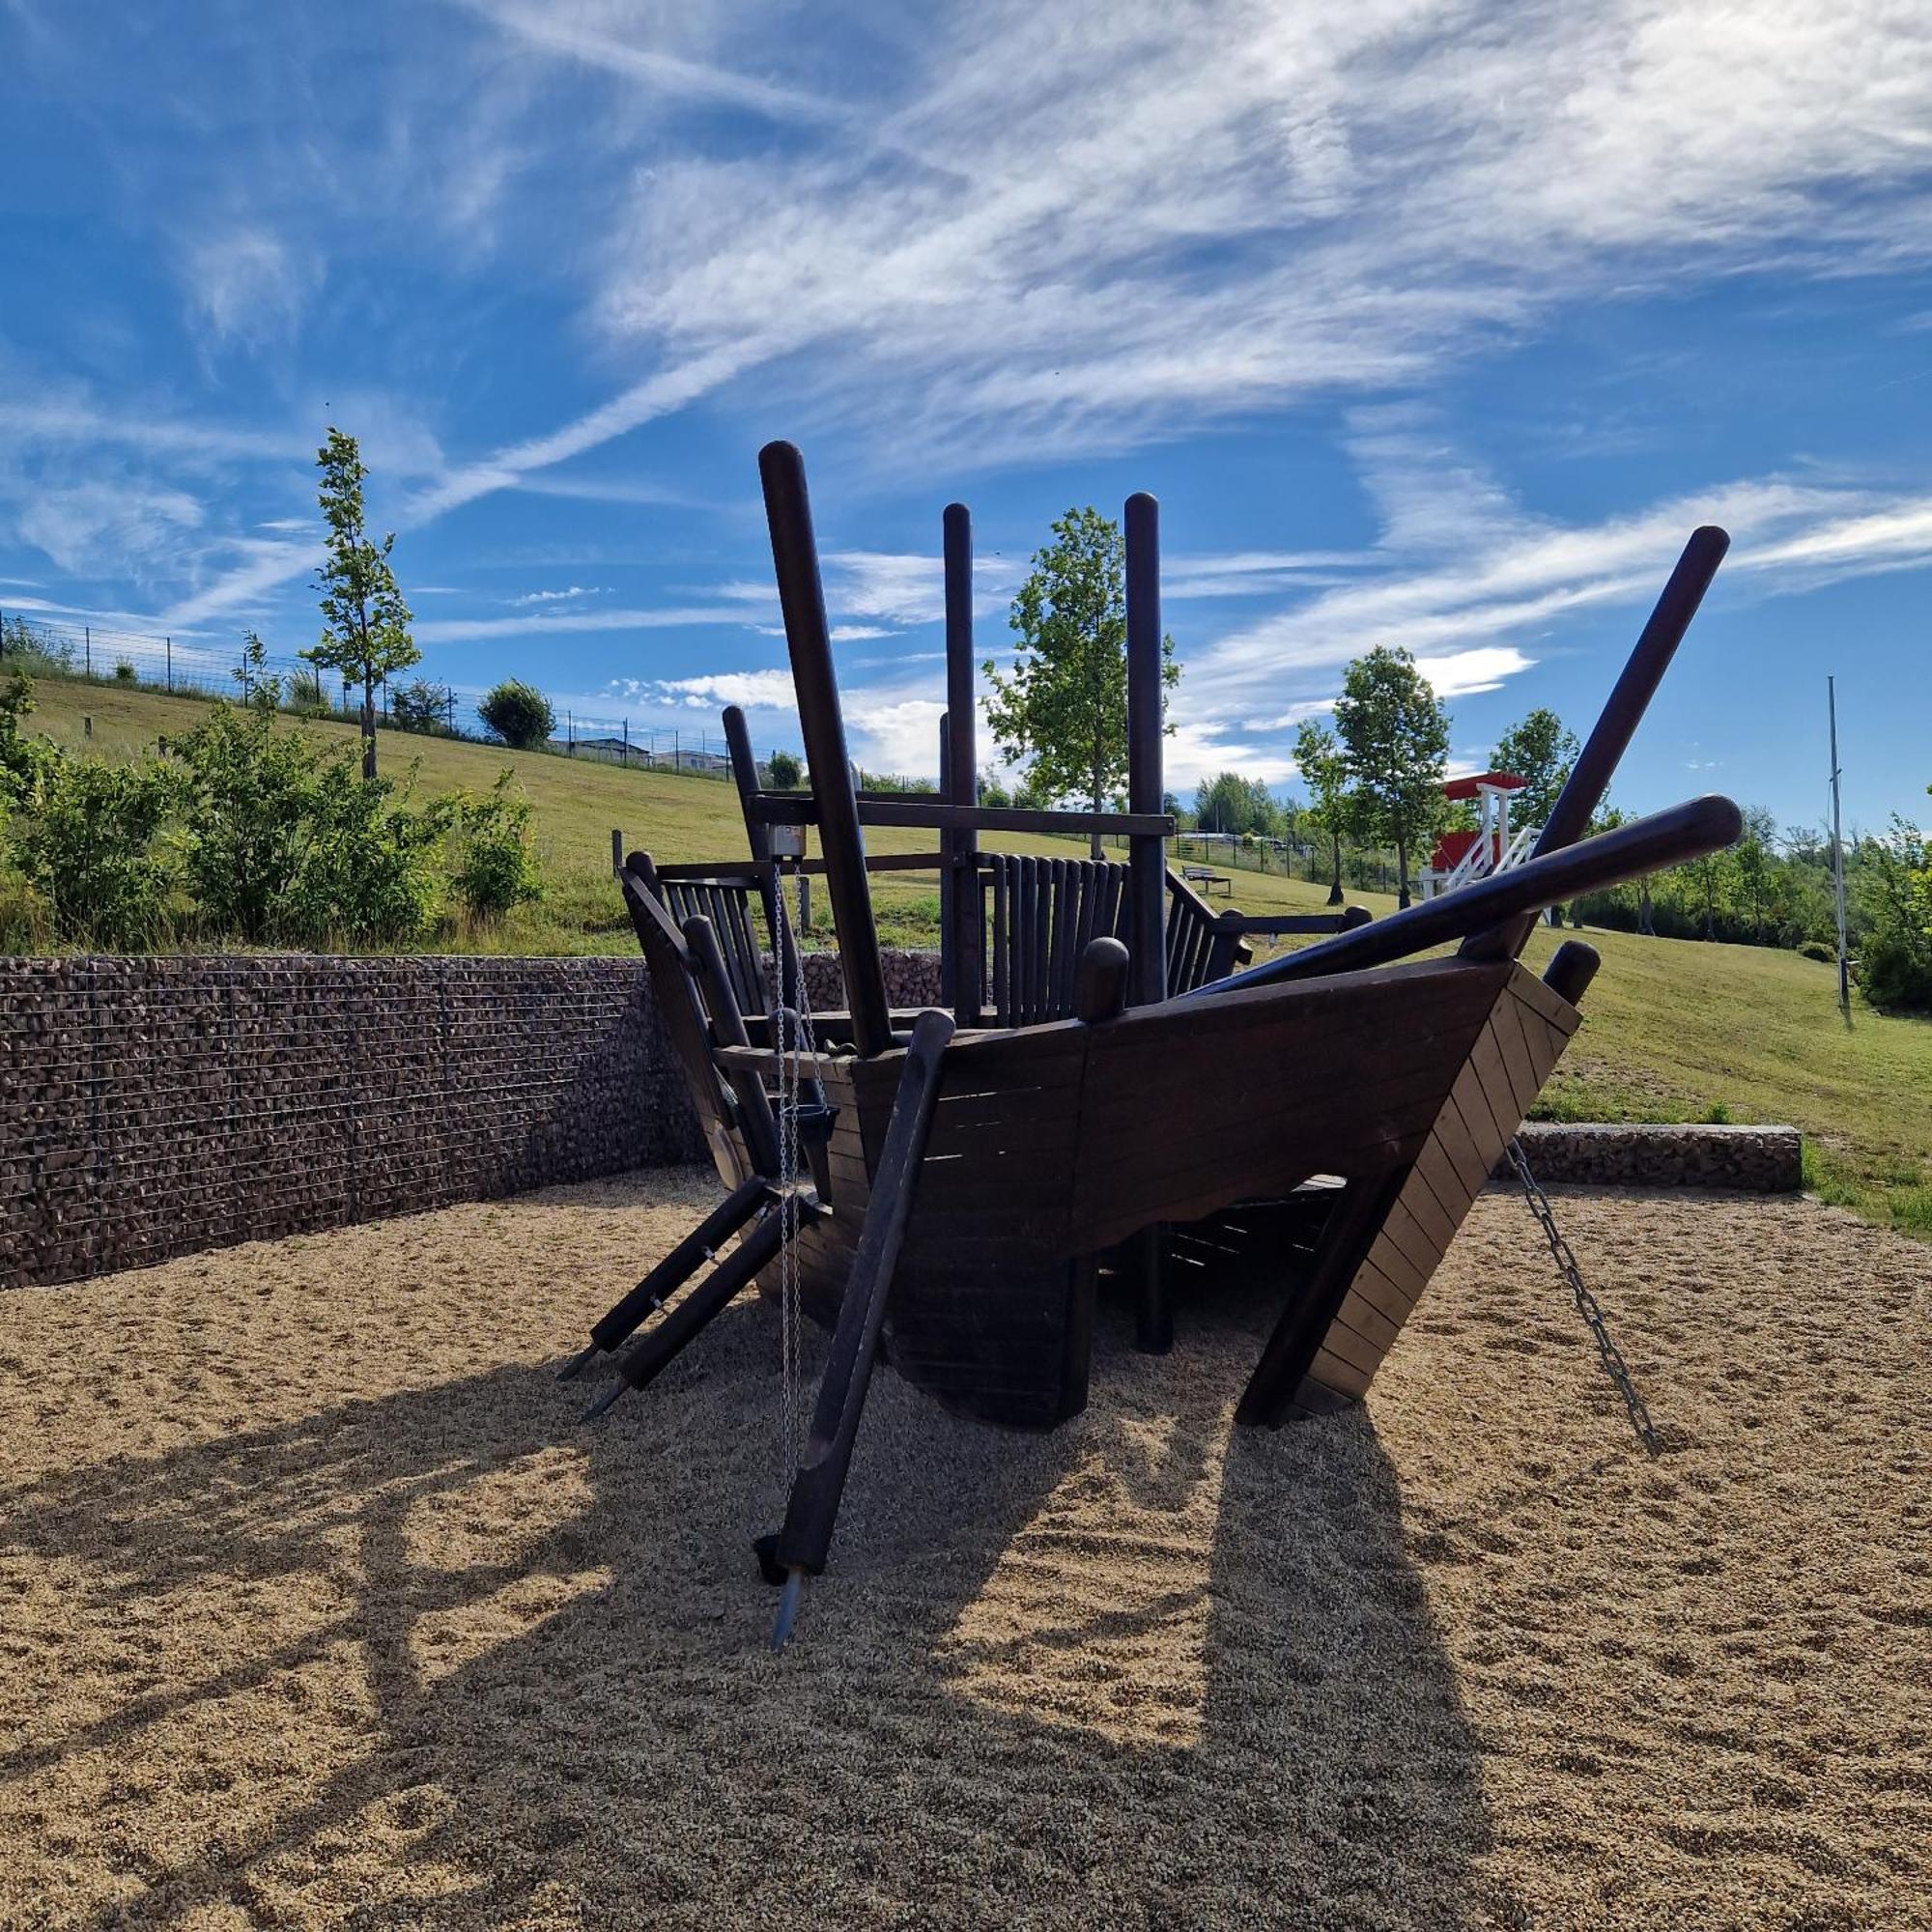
x,y
961,937
811,1510
808,639
912,812
1649,844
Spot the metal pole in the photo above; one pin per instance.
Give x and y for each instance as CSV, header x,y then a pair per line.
x,y
87,646
1838,858
627,744
170,643
570,728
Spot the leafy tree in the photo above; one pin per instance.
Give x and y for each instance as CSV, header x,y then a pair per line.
x,y
494,864
519,714
1395,744
421,705
990,790
1541,752
788,773
1064,708
1326,773
1231,803
366,624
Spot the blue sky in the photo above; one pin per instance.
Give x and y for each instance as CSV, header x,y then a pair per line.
x,y
1429,324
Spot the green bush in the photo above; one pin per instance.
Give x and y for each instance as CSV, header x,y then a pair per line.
x,y
287,844
306,697
421,705
1893,880
519,714
787,773
124,671
1816,948
495,863
89,842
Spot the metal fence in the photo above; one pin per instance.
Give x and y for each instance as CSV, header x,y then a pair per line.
x,y
193,667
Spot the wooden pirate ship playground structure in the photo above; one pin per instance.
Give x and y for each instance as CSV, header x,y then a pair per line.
x,y
1104,1086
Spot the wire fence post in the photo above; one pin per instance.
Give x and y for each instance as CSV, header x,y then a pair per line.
x,y
87,635
627,744
169,643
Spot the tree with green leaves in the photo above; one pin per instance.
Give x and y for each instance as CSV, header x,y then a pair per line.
x,y
1230,802
786,771
1394,746
519,714
366,624
1542,753
260,686
1063,707
1319,759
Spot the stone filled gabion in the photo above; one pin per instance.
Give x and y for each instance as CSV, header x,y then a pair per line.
x,y
153,1107
156,1107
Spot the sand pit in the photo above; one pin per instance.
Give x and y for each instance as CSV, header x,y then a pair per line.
x,y
317,1611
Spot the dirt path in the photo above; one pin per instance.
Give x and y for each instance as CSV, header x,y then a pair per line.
x,y
316,1610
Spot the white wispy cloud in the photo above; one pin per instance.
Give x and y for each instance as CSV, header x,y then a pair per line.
x,y
537,623
575,590
246,283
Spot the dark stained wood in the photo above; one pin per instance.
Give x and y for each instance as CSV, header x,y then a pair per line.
x,y
961,937
1146,727
1596,765
835,804
1649,844
912,812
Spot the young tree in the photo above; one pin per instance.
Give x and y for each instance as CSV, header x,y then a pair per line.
x,y
1065,706
787,772
260,686
1394,745
1541,752
1319,758
519,714
366,624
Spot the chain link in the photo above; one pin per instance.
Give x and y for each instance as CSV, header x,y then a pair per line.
x,y
1615,1365
792,1054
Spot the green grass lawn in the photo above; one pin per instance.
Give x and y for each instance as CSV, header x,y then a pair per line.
x,y
1672,1030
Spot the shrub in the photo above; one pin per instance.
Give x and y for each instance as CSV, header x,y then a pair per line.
x,y
124,671
519,714
1816,948
307,697
88,843
787,773
1894,896
495,863
287,844
421,705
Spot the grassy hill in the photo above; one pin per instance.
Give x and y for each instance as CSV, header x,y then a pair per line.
x,y
1673,1030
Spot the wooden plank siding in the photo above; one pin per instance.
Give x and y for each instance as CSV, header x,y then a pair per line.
x,y
1512,1055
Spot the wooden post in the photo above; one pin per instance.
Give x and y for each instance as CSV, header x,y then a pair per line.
x,y
812,1511
1623,711
808,639
1146,854
617,853
745,773
961,939
1147,857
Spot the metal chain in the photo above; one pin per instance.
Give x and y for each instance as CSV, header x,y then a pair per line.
x,y
1615,1365
792,1054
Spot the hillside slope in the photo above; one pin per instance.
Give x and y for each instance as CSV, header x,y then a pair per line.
x,y
1672,1029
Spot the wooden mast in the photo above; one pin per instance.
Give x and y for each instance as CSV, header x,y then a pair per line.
x,y
1623,711
808,639
1146,856
959,850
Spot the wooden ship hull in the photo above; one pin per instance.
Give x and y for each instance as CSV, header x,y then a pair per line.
x,y
951,1192
1052,1145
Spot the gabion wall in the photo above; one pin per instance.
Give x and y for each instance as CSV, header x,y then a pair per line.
x,y
154,1107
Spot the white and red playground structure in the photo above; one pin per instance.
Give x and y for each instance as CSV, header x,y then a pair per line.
x,y
1461,857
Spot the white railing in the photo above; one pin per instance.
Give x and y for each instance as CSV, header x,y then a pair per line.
x,y
1475,863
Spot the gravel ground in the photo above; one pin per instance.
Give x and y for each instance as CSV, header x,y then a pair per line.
x,y
316,1609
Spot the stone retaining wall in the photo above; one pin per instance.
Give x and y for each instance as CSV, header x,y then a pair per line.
x,y
1750,1160
156,1107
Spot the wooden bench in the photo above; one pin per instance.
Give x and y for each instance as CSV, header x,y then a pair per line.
x,y
1205,877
